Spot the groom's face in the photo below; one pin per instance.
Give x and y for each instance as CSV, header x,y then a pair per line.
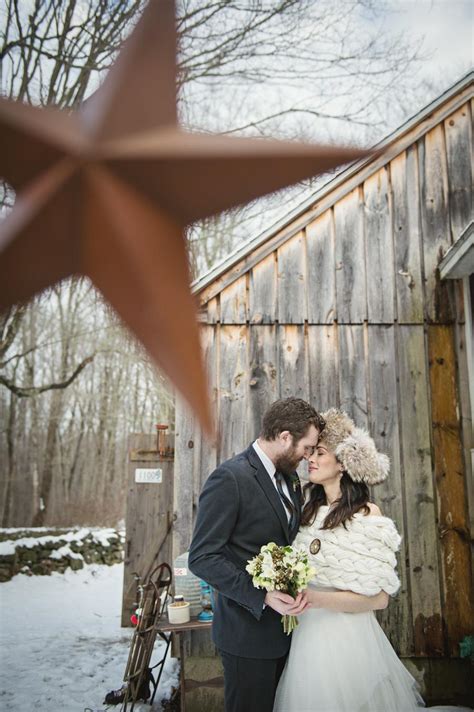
x,y
293,452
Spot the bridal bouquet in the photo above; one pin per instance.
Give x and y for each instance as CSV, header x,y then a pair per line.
x,y
281,568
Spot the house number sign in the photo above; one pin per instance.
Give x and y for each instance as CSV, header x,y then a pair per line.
x,y
148,475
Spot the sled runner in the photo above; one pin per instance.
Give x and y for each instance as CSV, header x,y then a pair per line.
x,y
138,678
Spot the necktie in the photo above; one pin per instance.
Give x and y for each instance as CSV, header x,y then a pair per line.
x,y
286,500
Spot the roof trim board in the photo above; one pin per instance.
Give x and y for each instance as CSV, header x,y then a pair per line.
x,y
458,262
251,252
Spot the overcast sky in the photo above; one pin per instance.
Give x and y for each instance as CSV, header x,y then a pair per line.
x,y
447,29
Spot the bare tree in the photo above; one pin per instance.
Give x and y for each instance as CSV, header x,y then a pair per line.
x,y
64,450
293,68
72,383
310,60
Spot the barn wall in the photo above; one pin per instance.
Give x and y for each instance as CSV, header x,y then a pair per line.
x,y
350,311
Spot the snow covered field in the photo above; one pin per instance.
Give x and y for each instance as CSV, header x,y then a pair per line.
x,y
61,644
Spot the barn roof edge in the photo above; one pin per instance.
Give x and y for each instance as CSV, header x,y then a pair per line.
x,y
223,266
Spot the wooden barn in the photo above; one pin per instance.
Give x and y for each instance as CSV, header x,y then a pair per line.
x,y
343,303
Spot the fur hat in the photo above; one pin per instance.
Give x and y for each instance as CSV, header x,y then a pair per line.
x,y
354,448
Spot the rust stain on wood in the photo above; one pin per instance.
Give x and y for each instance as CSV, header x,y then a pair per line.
x,y
429,635
450,487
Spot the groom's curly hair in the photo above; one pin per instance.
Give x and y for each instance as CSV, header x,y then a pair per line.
x,y
292,414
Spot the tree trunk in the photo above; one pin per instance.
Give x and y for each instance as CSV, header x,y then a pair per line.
x,y
48,466
10,469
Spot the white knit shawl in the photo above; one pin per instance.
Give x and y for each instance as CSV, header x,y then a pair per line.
x,y
360,558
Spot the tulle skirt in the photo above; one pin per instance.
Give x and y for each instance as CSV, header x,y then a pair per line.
x,y
343,662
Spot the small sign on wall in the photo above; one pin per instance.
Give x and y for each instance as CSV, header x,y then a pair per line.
x,y
148,475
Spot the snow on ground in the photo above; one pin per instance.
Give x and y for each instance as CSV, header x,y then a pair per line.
x,y
61,644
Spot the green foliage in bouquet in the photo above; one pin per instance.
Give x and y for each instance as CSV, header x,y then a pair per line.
x,y
281,568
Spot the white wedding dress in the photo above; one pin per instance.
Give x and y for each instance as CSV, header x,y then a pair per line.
x,y
343,662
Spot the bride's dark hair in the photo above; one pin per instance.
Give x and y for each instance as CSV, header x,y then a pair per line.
x,y
354,497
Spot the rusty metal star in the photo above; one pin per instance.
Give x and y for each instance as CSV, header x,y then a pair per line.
x,y
107,190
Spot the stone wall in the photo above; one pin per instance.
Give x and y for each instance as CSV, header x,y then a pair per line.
x,y
41,551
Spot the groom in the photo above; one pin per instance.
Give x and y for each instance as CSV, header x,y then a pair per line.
x,y
248,501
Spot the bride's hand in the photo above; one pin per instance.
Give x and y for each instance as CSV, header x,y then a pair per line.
x,y
314,598
284,604
347,601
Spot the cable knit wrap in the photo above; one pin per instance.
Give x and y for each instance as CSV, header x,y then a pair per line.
x,y
360,559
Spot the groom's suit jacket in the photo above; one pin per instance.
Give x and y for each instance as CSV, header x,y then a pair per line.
x,y
240,510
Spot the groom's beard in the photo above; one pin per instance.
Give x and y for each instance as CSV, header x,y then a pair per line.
x,y
288,462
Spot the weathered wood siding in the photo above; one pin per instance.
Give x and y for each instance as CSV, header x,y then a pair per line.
x,y
350,311
149,518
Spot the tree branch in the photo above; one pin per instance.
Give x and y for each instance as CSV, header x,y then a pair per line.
x,y
10,323
36,390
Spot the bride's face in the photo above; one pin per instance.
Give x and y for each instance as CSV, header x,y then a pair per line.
x,y
323,467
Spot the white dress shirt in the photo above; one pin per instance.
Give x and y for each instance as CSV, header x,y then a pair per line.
x,y
271,469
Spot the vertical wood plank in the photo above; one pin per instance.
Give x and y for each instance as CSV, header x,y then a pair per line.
x,y
186,432
321,278
458,131
263,384
195,455
291,281
465,359
384,427
323,366
351,296
352,372
292,362
450,487
233,302
199,643
379,249
262,291
213,310
207,453
148,518
233,387
436,232
420,509
407,237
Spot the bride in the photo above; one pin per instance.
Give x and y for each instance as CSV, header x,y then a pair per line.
x,y
340,659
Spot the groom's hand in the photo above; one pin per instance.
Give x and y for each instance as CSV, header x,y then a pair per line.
x,y
284,604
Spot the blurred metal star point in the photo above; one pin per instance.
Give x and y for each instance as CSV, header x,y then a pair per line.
x,y
107,191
